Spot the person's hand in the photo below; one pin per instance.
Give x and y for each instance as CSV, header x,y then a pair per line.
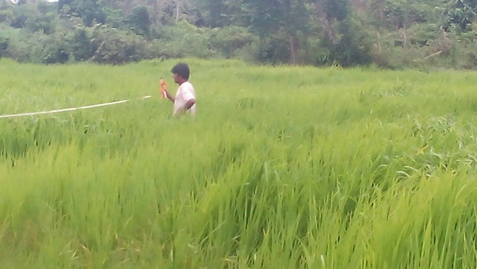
x,y
168,95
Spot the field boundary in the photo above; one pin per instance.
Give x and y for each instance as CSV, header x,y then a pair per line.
x,y
68,109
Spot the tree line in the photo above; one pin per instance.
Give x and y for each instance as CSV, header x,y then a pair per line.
x,y
386,33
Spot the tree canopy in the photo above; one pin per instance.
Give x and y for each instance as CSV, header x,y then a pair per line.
x,y
388,33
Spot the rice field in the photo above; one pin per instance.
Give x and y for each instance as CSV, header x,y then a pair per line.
x,y
282,167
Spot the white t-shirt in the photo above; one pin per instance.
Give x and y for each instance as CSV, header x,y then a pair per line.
x,y
185,93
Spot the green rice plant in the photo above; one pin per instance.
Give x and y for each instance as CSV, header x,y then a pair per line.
x,y
282,167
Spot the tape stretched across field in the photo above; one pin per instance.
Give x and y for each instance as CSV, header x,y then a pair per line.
x,y
67,109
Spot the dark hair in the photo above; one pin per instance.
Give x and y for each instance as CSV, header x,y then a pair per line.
x,y
181,70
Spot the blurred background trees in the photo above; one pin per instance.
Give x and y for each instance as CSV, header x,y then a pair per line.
x,y
386,33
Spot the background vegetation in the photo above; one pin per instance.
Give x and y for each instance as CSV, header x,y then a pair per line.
x,y
387,33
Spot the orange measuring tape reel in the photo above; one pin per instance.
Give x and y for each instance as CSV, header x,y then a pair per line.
x,y
163,88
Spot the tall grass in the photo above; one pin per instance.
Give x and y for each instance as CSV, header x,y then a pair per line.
x,y
281,168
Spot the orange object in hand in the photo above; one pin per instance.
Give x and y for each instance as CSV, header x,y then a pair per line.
x,y
163,88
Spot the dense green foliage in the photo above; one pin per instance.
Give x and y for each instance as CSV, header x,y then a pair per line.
x,y
389,33
281,168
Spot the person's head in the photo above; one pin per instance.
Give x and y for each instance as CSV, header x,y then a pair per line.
x,y
181,73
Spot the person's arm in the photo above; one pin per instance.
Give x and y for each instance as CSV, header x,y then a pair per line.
x,y
189,104
169,96
189,96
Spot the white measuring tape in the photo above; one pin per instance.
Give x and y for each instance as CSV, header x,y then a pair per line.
x,y
67,109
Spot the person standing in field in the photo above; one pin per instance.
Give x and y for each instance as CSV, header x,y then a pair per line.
x,y
184,101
